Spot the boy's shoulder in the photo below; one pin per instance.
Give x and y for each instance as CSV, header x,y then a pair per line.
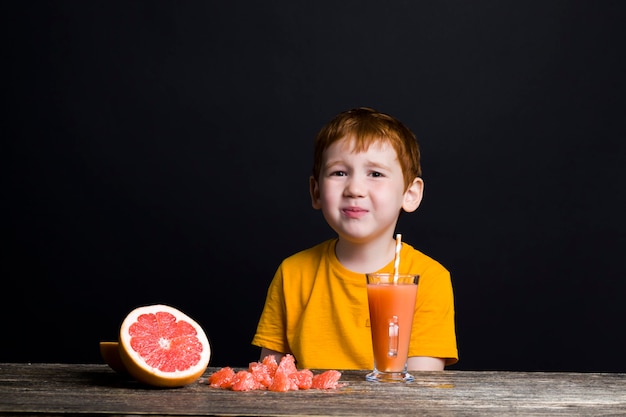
x,y
312,253
415,257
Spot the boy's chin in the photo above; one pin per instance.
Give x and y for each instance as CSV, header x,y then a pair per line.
x,y
359,239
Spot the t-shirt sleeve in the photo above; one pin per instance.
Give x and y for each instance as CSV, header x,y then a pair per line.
x,y
271,327
433,331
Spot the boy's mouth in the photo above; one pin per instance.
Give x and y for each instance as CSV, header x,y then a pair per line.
x,y
354,212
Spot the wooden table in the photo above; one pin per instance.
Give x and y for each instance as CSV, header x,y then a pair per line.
x,y
65,389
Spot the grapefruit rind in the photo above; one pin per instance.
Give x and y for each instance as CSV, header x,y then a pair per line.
x,y
111,354
137,366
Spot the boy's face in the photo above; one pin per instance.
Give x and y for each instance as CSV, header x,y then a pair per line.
x,y
361,194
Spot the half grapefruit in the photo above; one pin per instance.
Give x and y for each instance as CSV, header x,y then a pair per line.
x,y
163,347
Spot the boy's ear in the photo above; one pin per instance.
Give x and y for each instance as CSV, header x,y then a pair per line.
x,y
413,195
314,189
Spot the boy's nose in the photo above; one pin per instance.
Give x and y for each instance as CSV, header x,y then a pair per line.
x,y
354,188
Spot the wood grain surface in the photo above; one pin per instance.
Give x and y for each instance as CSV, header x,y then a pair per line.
x,y
66,389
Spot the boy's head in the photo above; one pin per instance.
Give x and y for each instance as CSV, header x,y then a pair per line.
x,y
366,127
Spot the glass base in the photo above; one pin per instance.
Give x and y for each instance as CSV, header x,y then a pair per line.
x,y
377,376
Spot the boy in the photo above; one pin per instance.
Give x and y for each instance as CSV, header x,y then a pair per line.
x,y
366,171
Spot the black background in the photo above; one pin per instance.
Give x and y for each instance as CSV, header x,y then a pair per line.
x,y
159,152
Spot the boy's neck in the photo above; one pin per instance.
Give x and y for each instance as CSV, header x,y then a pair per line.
x,y
365,257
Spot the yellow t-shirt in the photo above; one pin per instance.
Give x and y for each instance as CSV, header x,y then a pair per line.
x,y
317,310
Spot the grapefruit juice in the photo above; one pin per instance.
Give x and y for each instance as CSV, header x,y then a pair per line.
x,y
391,307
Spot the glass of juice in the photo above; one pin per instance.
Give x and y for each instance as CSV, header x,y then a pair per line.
x,y
391,299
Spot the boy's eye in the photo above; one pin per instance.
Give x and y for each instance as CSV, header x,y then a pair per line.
x,y
376,174
338,173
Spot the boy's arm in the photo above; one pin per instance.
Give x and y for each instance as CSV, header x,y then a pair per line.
x,y
425,363
265,352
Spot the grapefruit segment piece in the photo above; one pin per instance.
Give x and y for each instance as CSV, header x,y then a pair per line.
x,y
161,346
326,380
222,378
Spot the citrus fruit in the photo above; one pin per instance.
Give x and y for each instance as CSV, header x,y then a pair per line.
x,y
163,347
244,381
272,376
303,378
327,380
111,354
222,378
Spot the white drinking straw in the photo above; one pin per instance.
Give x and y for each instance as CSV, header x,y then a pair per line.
x,y
396,261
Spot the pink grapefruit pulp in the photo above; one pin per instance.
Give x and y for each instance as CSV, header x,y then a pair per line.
x,y
161,346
